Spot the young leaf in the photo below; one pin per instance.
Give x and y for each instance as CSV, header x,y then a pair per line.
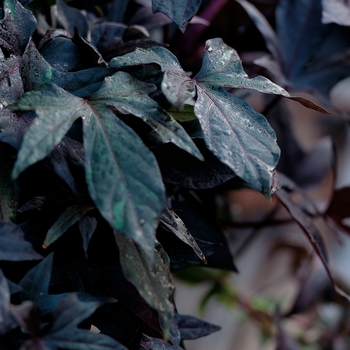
x,y
16,27
181,12
239,136
13,246
174,224
65,334
67,219
110,161
152,279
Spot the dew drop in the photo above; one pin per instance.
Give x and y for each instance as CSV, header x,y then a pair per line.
x,y
142,222
209,49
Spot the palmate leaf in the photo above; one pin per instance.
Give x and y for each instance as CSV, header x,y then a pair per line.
x,y
112,153
181,12
152,279
237,135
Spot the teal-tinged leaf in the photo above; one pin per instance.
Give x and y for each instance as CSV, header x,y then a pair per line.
x,y
56,111
222,67
176,85
128,94
67,219
16,27
36,283
152,279
13,246
239,136
65,334
179,11
173,223
121,173
35,72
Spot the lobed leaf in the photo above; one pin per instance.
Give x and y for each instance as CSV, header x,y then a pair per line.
x,y
152,279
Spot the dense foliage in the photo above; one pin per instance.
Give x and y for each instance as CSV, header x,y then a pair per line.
x,y
111,152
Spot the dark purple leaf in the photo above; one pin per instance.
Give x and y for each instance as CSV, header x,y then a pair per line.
x,y
106,35
180,168
59,50
170,221
16,27
34,203
181,11
88,51
285,341
87,226
151,278
27,314
117,12
312,53
302,211
67,219
65,334
6,321
36,283
202,225
36,71
13,127
13,246
336,11
145,17
339,209
192,327
70,18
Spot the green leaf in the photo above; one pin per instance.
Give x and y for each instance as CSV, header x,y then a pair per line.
x,y
176,85
152,279
112,153
67,219
128,94
173,223
65,334
222,67
184,115
239,136
179,11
